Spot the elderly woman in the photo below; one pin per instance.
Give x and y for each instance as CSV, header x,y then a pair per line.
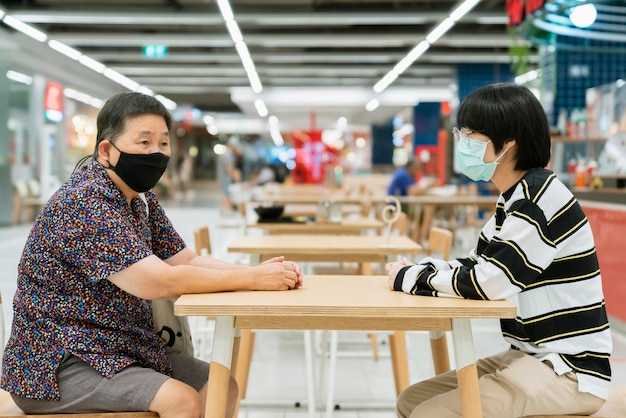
x,y
82,338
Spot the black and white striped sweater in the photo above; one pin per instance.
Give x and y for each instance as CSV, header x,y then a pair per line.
x,y
538,252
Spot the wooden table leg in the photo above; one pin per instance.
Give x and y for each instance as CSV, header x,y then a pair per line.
x,y
467,374
399,360
234,364
439,350
246,348
219,376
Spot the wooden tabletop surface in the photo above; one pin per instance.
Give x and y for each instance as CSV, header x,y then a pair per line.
x,y
334,297
324,245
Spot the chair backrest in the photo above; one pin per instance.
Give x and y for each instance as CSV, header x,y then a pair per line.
x,y
34,189
440,241
21,189
400,224
202,240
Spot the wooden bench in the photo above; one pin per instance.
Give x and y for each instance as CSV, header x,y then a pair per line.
x,y
9,409
614,407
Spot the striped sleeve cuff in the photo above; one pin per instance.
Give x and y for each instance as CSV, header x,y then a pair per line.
x,y
407,277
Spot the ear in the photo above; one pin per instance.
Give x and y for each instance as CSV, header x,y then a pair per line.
x,y
510,144
104,149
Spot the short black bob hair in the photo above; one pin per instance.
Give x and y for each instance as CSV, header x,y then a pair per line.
x,y
119,108
503,112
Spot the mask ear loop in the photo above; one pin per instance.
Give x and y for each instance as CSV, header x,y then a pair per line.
x,y
500,156
109,166
504,152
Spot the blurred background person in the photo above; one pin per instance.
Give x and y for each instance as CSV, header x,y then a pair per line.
x,y
404,180
228,173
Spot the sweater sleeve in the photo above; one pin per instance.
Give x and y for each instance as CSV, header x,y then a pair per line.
x,y
514,258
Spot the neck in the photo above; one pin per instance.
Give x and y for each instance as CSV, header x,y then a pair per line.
x,y
128,193
505,177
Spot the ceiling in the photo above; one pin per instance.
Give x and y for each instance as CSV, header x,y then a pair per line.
x,y
316,59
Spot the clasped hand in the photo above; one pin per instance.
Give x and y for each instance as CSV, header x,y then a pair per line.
x,y
393,268
278,274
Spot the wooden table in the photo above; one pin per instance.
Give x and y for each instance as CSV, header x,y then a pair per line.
x,y
333,248
423,209
339,303
347,226
325,247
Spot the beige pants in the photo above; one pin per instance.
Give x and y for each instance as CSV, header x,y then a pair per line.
x,y
512,385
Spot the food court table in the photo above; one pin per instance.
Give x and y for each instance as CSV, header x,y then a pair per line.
x,y
349,226
325,247
339,303
333,248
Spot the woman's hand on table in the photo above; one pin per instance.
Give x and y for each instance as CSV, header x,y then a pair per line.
x,y
277,274
393,268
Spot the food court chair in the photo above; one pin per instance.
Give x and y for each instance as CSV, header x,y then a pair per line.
x,y
440,242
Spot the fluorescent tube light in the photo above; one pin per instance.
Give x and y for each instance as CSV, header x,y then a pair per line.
x,y
227,12
462,10
145,90
261,108
438,32
68,51
92,63
168,103
17,24
233,29
372,105
386,81
19,77
410,58
275,131
121,79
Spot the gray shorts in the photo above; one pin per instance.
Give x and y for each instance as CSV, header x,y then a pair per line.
x,y
84,390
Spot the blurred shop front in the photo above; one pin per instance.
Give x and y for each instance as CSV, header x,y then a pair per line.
x,y
49,127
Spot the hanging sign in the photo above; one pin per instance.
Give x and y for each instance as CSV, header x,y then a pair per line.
x,y
517,10
53,102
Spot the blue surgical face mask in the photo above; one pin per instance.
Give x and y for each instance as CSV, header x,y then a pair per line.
x,y
469,155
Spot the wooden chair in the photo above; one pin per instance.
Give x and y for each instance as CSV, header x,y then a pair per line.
x,y
440,242
9,409
614,407
202,240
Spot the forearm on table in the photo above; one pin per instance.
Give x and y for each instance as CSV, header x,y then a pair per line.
x,y
213,263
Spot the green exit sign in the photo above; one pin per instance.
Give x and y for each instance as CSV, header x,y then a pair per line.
x,y
154,51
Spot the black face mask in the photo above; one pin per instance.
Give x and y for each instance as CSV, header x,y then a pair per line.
x,y
140,172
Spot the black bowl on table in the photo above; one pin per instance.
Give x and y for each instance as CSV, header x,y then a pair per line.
x,y
269,212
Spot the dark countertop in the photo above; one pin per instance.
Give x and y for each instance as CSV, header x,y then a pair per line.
x,y
605,195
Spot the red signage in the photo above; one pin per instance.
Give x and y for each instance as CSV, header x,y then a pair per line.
x,y
516,10
53,99
533,5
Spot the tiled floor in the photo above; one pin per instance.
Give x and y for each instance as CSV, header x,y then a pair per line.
x,y
364,388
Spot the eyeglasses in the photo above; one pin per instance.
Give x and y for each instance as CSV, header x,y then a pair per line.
x,y
462,134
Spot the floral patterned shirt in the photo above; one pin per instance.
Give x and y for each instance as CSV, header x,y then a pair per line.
x,y
85,233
